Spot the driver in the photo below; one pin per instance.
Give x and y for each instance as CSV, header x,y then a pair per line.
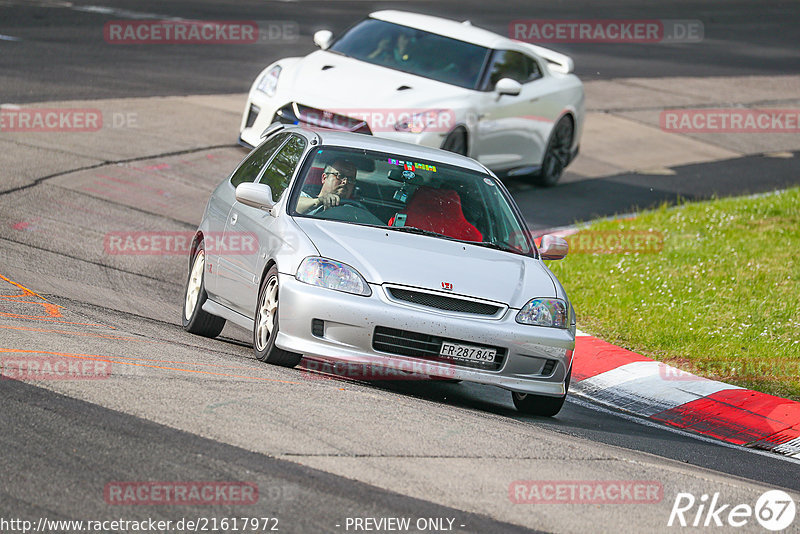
x,y
338,183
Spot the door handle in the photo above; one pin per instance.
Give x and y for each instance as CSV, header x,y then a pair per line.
x,y
234,218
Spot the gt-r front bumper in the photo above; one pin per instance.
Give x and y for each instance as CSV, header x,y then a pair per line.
x,y
536,359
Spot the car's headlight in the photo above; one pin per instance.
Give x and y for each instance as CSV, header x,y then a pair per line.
x,y
544,312
419,122
331,274
269,82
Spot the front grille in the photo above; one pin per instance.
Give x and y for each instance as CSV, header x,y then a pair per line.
x,y
318,118
426,346
318,327
252,114
443,302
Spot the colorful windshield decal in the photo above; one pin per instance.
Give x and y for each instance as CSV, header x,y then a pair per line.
x,y
412,166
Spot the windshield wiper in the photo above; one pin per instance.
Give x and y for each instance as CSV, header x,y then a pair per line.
x,y
499,246
420,231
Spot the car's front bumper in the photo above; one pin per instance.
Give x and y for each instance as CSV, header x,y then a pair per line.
x,y
350,322
260,110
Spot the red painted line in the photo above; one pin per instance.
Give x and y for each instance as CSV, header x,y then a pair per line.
x,y
594,356
735,416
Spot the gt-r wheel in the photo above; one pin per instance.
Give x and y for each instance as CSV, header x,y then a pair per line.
x,y
557,155
265,330
540,404
456,142
194,319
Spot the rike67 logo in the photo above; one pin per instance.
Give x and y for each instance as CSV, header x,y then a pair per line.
x,y
774,510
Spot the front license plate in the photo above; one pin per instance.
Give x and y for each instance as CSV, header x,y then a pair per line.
x,y
467,352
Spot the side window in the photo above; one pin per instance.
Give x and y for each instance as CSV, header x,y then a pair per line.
x,y
514,65
249,169
279,172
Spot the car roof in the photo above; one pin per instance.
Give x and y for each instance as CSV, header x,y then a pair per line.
x,y
463,31
379,144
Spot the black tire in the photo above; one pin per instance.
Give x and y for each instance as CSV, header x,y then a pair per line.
x,y
264,341
194,319
456,142
540,405
558,154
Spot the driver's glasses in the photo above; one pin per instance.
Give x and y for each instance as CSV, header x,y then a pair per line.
x,y
341,178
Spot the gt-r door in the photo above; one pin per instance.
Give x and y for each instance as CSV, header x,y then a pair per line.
x,y
513,130
249,232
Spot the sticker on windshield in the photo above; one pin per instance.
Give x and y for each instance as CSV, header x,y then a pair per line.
x,y
408,175
412,166
488,182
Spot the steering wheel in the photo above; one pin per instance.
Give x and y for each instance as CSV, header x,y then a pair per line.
x,y
342,202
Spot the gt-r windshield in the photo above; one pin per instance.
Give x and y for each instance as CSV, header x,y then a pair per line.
x,y
407,194
414,51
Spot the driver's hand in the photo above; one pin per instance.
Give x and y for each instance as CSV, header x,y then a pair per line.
x,y
330,200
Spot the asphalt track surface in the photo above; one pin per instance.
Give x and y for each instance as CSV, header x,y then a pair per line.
x,y
59,56
183,408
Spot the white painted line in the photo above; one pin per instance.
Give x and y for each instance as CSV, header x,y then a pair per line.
x,y
9,38
124,13
791,447
645,388
587,403
581,333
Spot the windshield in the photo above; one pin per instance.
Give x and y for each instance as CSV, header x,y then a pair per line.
x,y
414,51
405,194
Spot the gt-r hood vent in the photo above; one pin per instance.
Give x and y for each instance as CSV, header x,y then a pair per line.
x,y
325,80
385,256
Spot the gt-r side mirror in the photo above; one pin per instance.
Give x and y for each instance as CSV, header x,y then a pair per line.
x,y
323,39
507,86
553,247
255,195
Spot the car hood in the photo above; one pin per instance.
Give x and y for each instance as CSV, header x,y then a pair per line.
x,y
326,80
388,256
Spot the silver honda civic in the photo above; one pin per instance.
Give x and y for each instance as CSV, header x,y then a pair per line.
x,y
348,251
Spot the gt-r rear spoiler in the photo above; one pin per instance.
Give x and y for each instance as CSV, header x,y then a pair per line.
x,y
557,62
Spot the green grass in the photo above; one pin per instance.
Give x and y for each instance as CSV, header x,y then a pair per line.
x,y
721,299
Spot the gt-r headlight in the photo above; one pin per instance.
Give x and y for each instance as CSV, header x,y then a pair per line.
x,y
269,82
419,122
544,312
331,274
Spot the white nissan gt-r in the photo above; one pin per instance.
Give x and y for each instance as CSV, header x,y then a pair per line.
x,y
514,107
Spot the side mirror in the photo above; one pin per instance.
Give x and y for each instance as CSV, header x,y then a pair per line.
x,y
323,39
255,195
553,247
507,86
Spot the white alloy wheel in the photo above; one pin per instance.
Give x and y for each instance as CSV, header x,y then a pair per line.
x,y
194,284
267,311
